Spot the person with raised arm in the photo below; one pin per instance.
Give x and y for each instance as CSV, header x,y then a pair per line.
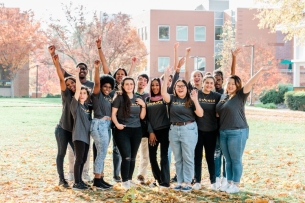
x,y
63,131
100,125
183,134
127,110
80,135
234,129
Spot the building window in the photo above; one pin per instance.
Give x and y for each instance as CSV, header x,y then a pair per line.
x,y
163,32
142,34
163,62
182,69
200,33
218,32
145,33
181,33
199,63
139,32
218,18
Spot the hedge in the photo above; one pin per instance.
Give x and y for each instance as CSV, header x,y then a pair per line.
x,y
295,100
275,96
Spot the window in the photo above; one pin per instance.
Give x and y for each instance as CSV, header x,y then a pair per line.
x,y
200,33
145,33
218,18
199,63
4,77
181,33
142,34
163,32
163,62
182,69
218,32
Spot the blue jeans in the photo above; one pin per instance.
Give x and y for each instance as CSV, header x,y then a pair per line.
x,y
169,154
116,156
99,133
232,143
183,140
218,158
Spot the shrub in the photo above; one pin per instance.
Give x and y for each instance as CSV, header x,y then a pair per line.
x,y
266,106
53,96
295,100
275,96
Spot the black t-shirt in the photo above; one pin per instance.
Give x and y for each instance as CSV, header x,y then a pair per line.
x,y
220,91
133,120
87,84
101,105
66,120
178,112
208,103
232,111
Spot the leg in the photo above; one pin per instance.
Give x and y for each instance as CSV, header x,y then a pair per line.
x,y
79,147
144,157
164,142
224,148
134,146
209,147
174,138
198,156
116,157
153,159
71,157
85,173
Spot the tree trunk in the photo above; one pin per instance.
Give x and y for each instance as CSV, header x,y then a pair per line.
x,y
12,88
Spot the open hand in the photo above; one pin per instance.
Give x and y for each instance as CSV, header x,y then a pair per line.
x,y
236,51
194,95
266,68
152,139
51,50
180,64
167,71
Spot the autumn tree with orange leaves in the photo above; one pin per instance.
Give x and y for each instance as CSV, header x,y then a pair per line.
x,y
20,35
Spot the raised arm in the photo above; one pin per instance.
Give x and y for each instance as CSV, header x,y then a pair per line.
x,y
133,64
59,72
78,85
97,87
165,95
187,61
250,83
102,56
176,75
194,97
176,59
52,53
234,55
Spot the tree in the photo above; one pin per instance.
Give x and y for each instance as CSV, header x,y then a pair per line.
x,y
20,35
287,15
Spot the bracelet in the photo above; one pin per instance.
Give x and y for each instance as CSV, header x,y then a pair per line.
x,y
99,47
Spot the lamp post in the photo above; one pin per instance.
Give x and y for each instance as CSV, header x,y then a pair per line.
x,y
252,69
37,81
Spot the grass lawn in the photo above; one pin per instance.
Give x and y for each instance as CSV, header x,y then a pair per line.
x,y
273,160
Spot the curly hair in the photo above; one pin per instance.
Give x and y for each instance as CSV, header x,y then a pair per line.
x,y
107,79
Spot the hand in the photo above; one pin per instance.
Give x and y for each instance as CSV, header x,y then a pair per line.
x,y
51,50
194,95
133,61
55,59
188,50
97,64
99,42
167,71
120,126
140,102
176,45
236,51
266,68
180,64
77,70
152,139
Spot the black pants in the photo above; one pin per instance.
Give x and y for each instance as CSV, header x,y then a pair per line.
x,y
208,141
81,152
163,175
63,137
128,141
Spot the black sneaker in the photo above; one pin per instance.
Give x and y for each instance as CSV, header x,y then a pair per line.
x,y
99,185
85,184
174,179
64,183
117,179
105,183
79,186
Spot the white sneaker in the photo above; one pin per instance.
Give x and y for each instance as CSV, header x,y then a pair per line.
x,y
217,183
213,186
86,177
232,189
224,181
132,184
224,187
71,177
125,185
197,186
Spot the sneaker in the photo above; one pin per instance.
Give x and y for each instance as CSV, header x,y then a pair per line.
x,y
224,187
177,188
163,185
87,185
79,186
213,186
232,189
117,179
125,185
99,185
174,179
64,183
105,183
186,188
141,179
70,176
153,184
86,177
197,186
224,181
132,184
217,183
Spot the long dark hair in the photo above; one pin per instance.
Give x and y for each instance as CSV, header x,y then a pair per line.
x,y
151,92
126,101
188,102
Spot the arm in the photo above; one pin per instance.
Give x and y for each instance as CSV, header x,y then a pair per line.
x,y
187,59
102,56
52,53
247,87
174,80
78,85
176,57
234,55
165,95
59,72
133,64
97,87
115,120
143,107
194,97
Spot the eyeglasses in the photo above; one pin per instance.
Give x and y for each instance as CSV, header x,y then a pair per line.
x,y
180,86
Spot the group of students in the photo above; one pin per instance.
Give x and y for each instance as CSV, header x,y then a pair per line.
x,y
181,116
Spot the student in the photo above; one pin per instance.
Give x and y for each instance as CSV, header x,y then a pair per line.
x,y
207,131
183,133
234,129
63,131
158,127
100,125
82,117
127,110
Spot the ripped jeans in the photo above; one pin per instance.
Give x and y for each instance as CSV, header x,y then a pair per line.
x,y
128,141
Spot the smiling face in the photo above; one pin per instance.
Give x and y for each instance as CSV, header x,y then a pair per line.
x,y
128,86
231,86
83,71
142,82
155,87
71,85
119,76
170,78
197,78
180,89
208,85
106,89
219,82
83,95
